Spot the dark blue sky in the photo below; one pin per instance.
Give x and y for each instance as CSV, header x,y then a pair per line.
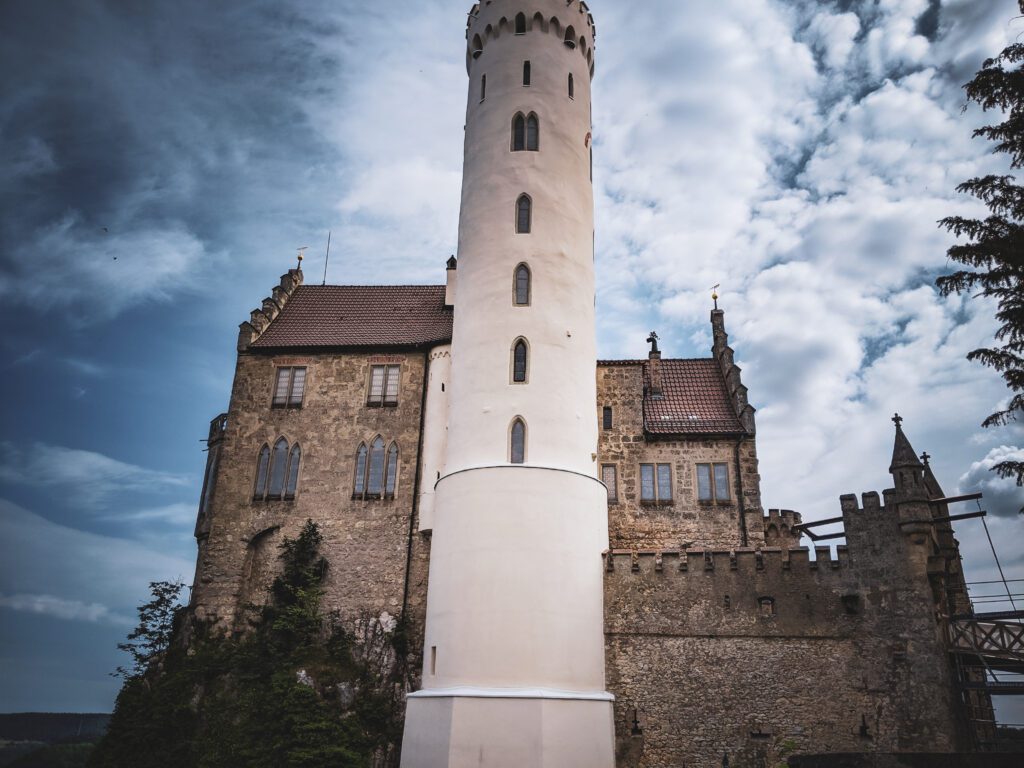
x,y
163,160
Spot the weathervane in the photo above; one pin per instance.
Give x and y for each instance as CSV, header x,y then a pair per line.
x,y
301,257
714,293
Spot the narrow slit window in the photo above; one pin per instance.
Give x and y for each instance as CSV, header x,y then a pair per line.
x,y
572,87
524,215
392,471
262,470
278,468
606,417
526,74
518,442
519,133
375,479
483,87
433,660
522,288
521,24
519,362
294,460
532,133
360,484
609,476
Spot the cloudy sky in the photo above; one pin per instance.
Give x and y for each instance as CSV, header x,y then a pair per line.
x,y
163,160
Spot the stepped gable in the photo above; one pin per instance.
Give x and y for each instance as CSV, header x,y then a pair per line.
x,y
334,316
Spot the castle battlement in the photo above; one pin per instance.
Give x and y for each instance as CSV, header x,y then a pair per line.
x,y
572,23
711,561
261,318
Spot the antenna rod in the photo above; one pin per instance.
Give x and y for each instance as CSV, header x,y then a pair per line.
x,y
328,258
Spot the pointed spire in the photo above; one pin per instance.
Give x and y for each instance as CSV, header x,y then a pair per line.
x,y
903,454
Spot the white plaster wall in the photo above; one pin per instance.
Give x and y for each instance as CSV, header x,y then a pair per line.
x,y
559,401
435,432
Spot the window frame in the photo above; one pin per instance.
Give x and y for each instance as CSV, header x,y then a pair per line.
x,y
483,88
607,418
265,475
532,132
572,87
518,420
290,393
527,74
389,371
613,493
515,285
715,498
524,198
657,501
520,23
523,343
363,466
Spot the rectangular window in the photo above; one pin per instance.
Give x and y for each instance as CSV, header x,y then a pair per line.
x,y
384,380
610,477
607,417
289,388
713,482
656,483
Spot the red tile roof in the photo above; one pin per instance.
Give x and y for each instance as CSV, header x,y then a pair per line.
x,y
361,316
694,399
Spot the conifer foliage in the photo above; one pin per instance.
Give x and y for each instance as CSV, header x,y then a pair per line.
x,y
294,690
993,259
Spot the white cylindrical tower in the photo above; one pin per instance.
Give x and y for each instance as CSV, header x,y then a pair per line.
x,y
514,646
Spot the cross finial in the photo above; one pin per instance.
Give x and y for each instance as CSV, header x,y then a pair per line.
x,y
925,457
653,341
898,421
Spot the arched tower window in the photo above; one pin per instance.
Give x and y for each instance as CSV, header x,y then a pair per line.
x,y
375,471
278,469
478,46
483,87
519,133
539,23
521,288
524,215
294,459
570,38
521,24
526,73
517,442
262,470
532,133
359,488
572,87
520,361
391,471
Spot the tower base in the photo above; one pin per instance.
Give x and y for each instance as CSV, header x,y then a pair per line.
x,y
531,729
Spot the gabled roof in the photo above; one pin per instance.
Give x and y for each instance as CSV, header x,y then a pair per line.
x,y
337,316
694,399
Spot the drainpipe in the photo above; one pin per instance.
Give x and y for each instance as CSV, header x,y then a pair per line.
x,y
416,485
739,496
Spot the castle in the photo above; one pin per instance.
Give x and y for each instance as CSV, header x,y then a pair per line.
x,y
578,546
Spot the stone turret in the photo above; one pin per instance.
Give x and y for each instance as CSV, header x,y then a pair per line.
x,y
726,358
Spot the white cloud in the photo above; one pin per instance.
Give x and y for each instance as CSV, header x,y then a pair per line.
x,y
1003,497
91,476
69,610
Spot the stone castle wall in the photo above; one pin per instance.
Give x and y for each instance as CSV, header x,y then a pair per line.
x,y
367,542
686,521
751,654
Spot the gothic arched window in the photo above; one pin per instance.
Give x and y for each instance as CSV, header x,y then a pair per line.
x,y
519,133
478,46
570,38
526,73
391,473
375,471
532,133
522,286
517,442
520,355
294,459
524,215
572,87
278,468
262,470
521,24
359,488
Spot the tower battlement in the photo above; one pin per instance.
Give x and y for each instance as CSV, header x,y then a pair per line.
x,y
711,561
571,23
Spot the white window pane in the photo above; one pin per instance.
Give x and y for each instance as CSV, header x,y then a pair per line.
x,y
664,482
360,470
393,377
298,386
376,479
722,482
647,482
281,390
518,443
293,472
704,482
261,473
377,384
389,484
277,469
609,478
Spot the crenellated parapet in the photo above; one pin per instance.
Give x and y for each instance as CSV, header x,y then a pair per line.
x,y
710,561
570,23
261,318
780,528
726,358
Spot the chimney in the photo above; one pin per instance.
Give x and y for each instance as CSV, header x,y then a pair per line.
x,y
449,292
654,365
